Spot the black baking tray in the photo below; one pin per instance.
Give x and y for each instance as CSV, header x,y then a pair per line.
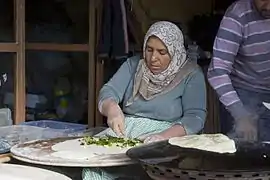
x,y
249,156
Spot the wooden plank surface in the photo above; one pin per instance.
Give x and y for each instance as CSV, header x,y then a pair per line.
x,y
5,155
5,158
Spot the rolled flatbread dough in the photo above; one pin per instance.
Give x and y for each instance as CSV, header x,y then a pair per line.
x,y
72,149
19,172
82,155
218,143
11,177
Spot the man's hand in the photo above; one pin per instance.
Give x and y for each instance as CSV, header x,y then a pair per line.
x,y
116,120
246,128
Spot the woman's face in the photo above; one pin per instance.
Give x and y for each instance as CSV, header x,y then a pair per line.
x,y
157,55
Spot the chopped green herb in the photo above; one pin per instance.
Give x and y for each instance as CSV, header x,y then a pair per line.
x,y
110,141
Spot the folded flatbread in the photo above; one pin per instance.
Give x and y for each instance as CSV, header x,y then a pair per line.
x,y
218,143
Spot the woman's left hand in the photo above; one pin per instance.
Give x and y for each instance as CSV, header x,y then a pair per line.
x,y
154,138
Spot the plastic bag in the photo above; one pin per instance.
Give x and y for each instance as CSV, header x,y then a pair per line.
x,y
20,133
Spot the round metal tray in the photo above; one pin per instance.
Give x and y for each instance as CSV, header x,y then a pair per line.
x,y
40,152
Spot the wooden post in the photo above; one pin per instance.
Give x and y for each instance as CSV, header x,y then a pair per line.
x,y
99,63
92,63
99,84
20,61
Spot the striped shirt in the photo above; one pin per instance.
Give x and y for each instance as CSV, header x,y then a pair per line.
x,y
241,55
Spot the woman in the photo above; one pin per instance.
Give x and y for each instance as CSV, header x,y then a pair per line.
x,y
163,94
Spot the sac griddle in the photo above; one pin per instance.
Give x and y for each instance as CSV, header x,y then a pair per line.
x,y
251,161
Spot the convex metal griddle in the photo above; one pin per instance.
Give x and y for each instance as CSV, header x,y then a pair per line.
x,y
251,161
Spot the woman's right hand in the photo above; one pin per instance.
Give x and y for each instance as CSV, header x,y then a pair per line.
x,y
116,120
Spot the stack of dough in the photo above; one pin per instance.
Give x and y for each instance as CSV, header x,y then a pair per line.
x,y
218,143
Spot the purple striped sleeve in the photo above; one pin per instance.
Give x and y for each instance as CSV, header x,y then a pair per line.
x,y
225,49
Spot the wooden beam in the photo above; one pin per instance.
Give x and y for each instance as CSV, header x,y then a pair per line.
x,y
20,61
4,158
57,47
99,64
8,47
13,47
92,63
99,84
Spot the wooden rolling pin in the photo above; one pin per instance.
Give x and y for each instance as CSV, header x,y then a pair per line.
x,y
5,158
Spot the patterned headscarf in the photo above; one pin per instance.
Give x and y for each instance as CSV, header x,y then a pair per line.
x,y
150,85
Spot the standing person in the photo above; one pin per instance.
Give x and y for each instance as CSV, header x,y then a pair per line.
x,y
163,96
240,68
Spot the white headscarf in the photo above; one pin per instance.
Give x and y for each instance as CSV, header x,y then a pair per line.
x,y
150,85
173,39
